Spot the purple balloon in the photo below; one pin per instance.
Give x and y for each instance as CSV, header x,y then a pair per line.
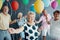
x,y
54,4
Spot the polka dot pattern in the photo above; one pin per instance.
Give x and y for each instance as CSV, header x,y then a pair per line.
x,y
31,32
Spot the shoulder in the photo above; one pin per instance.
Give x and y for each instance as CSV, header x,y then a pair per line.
x,y
36,25
49,15
25,24
0,13
52,19
9,15
41,17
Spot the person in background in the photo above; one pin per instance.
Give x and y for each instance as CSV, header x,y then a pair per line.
x,y
4,24
55,26
20,21
45,27
5,20
30,28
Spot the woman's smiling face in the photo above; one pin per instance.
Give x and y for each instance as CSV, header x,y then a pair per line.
x,y
31,17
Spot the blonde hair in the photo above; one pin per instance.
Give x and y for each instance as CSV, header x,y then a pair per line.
x,y
31,13
20,13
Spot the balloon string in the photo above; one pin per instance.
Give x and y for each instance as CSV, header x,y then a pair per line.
x,y
11,8
15,12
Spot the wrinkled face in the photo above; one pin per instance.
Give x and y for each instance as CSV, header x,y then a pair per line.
x,y
31,18
20,15
5,9
56,15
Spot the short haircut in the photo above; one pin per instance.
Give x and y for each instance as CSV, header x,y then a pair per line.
x,y
57,11
3,6
30,12
20,13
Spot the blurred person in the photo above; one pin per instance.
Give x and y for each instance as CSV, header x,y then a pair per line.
x,y
45,27
30,28
4,24
20,21
55,26
5,20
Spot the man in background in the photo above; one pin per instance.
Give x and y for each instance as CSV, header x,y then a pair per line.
x,y
55,26
4,24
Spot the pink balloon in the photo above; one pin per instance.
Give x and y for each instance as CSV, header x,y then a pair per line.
x,y
54,4
7,0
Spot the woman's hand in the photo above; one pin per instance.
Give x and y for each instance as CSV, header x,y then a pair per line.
x,y
11,30
41,28
19,30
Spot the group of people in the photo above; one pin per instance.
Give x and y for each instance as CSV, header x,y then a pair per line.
x,y
28,28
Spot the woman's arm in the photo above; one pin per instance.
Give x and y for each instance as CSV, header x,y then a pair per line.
x,y
19,29
39,20
48,18
14,21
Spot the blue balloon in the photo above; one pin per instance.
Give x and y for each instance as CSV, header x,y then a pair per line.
x,y
46,3
45,7
32,8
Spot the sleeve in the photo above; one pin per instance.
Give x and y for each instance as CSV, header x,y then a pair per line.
x,y
41,18
0,21
9,18
25,20
49,17
0,18
25,27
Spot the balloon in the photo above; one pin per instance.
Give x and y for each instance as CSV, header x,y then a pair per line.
x,y
32,8
7,0
1,3
39,6
54,4
15,5
46,3
52,1
58,1
25,2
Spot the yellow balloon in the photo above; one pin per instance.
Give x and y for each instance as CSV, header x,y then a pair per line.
x,y
39,6
1,3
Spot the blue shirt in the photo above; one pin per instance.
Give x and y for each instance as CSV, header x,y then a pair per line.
x,y
21,22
